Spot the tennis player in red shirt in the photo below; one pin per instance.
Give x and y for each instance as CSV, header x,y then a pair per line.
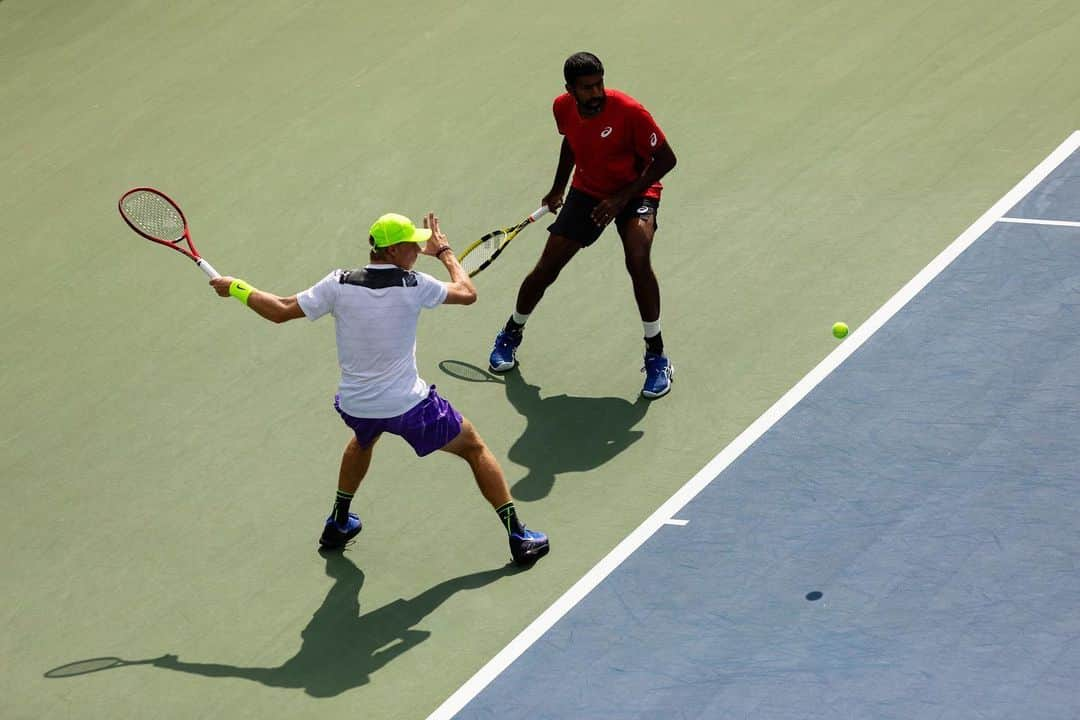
x,y
618,154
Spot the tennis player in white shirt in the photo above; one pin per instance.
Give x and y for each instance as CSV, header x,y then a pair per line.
x,y
375,310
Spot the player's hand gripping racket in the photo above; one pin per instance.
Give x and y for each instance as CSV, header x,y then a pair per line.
x,y
155,216
484,251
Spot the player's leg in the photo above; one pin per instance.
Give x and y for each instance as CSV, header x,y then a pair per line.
x,y
526,546
637,237
572,230
637,228
355,462
342,525
433,424
558,251
470,447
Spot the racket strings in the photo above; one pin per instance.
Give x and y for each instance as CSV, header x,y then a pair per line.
x,y
483,252
154,215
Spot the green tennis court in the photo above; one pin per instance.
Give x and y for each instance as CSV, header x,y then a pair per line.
x,y
167,458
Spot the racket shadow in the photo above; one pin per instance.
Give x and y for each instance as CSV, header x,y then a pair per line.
x,y
566,433
92,665
340,647
469,372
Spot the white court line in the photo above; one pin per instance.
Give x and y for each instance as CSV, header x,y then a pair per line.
x,y
673,521
1027,221
707,474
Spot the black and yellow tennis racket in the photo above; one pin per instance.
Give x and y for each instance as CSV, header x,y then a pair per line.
x,y
484,251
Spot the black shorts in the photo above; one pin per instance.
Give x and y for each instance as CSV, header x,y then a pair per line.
x,y
574,221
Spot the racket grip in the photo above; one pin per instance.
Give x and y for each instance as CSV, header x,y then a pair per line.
x,y
540,212
207,268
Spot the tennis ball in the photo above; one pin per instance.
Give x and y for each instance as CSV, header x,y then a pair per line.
x,y
839,330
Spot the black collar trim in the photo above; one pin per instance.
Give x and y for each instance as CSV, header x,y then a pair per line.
x,y
379,278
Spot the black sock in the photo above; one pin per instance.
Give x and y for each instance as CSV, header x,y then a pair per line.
x,y
655,344
341,507
513,327
509,518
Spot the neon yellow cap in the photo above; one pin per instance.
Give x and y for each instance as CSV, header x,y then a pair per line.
x,y
391,229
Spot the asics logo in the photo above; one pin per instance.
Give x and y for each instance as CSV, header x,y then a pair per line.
x,y
652,140
606,131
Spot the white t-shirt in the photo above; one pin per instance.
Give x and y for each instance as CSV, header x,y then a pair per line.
x,y
376,336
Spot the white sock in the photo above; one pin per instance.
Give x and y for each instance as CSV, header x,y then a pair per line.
x,y
651,328
519,318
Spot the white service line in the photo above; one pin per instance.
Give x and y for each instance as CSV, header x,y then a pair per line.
x,y
1028,221
707,474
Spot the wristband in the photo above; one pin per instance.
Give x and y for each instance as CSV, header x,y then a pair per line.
x,y
240,290
440,251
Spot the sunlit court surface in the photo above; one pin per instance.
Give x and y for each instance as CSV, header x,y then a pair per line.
x,y
875,526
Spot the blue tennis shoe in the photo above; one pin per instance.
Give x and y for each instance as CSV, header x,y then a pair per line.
x,y
528,546
336,536
659,373
504,354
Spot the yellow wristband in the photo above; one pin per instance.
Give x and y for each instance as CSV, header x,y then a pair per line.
x,y
240,290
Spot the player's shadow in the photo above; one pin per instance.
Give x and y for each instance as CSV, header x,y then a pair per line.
x,y
340,648
567,433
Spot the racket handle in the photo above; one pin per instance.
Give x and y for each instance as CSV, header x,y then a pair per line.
x,y
540,212
207,268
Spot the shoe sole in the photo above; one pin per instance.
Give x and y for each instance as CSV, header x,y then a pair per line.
x,y
334,545
671,381
533,556
502,368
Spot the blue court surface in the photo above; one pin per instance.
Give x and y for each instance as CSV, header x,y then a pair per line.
x,y
923,480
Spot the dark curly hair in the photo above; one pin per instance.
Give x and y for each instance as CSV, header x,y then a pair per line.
x,y
581,64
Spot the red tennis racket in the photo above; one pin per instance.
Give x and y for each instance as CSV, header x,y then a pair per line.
x,y
154,215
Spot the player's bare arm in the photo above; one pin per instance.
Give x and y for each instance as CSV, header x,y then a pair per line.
x,y
274,308
460,290
662,162
554,199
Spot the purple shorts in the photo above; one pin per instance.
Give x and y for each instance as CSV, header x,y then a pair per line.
x,y
427,426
